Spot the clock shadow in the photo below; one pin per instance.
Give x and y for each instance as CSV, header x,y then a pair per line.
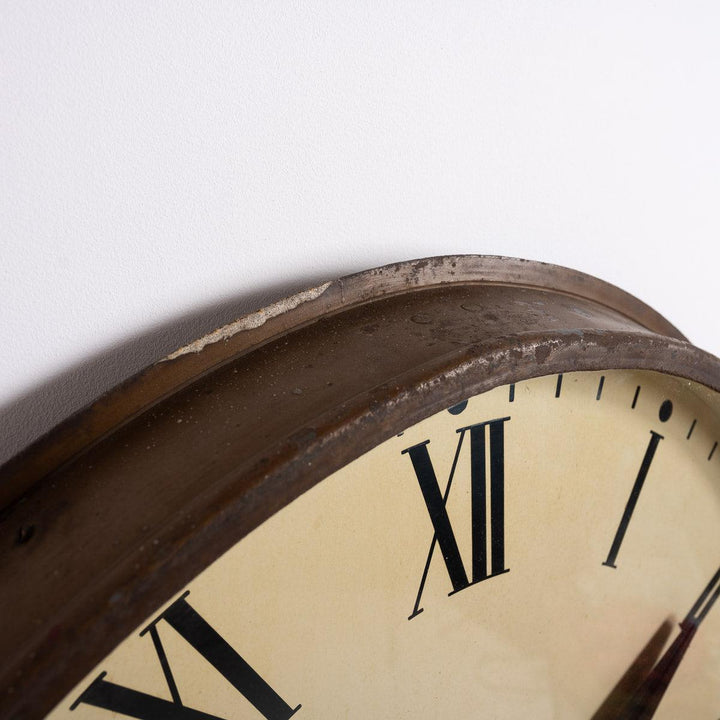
x,y
34,413
613,705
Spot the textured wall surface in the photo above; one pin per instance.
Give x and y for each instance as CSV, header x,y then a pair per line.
x,y
165,167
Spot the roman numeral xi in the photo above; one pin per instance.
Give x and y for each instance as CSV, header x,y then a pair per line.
x,y
188,623
487,448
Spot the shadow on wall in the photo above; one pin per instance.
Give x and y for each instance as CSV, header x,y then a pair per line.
x,y
35,413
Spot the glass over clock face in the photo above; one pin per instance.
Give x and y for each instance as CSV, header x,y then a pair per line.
x,y
532,552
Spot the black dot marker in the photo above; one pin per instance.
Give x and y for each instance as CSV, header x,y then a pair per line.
x,y
457,409
665,411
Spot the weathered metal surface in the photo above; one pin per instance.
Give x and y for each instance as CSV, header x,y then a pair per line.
x,y
121,506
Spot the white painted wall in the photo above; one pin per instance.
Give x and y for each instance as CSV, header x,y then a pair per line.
x,y
165,166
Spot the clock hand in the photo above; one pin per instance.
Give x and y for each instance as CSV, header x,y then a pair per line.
x,y
635,674
644,702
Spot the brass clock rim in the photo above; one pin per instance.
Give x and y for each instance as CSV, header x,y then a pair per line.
x,y
133,587
205,354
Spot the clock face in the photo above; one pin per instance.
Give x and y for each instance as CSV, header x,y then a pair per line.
x,y
508,557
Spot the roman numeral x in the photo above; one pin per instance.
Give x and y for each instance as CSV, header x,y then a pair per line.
x,y
188,623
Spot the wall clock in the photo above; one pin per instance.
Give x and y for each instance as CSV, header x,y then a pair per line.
x,y
455,487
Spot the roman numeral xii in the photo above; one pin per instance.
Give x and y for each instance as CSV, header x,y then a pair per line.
x,y
487,451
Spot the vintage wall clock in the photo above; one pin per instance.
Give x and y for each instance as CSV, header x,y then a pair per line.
x,y
461,487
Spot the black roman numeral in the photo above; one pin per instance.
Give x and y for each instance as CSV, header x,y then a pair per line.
x,y
655,439
486,438
188,623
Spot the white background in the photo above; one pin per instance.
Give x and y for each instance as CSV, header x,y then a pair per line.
x,y
166,166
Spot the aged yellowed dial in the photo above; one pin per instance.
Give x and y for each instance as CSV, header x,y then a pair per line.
x,y
508,557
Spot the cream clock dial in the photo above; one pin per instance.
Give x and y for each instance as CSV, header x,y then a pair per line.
x,y
508,557
457,488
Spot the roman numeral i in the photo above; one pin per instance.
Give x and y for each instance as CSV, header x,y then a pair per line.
x,y
487,442
188,623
